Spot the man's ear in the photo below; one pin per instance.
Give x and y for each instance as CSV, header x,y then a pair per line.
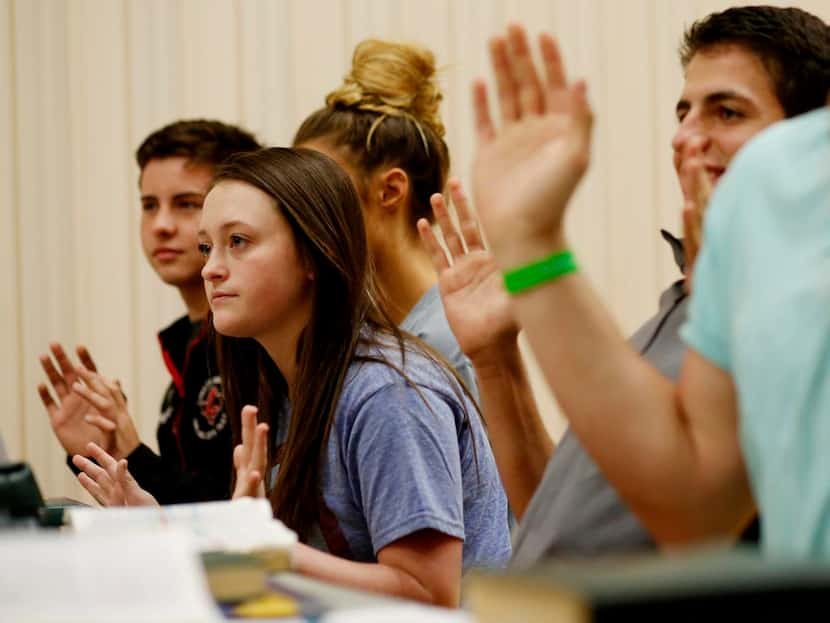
x,y
392,189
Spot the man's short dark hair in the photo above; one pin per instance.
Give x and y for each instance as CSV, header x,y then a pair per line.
x,y
199,140
793,45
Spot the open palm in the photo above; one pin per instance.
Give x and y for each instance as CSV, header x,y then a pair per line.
x,y
70,414
472,291
108,480
525,172
250,458
111,414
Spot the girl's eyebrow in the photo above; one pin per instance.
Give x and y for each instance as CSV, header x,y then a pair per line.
x,y
185,194
224,227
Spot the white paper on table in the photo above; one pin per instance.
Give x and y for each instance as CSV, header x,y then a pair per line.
x,y
141,576
404,613
238,525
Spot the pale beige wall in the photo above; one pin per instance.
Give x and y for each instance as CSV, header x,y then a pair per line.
x,y
83,81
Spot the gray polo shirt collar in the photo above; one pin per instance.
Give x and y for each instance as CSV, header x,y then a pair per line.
x,y
676,245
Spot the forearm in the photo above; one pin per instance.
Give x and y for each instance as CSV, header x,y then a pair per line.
x,y
372,577
628,416
669,453
521,443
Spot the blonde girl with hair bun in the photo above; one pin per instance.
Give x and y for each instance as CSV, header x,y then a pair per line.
x,y
383,126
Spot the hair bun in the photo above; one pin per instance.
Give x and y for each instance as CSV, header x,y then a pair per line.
x,y
394,79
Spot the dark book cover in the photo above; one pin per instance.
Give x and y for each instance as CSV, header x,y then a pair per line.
x,y
682,586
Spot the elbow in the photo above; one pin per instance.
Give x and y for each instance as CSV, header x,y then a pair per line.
x,y
717,519
446,597
440,592
425,566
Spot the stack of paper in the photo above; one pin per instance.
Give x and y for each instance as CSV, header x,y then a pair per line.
x,y
403,613
138,576
240,541
243,525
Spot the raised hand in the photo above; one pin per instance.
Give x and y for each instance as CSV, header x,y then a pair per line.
x,y
69,414
525,172
697,188
251,456
472,290
109,482
110,410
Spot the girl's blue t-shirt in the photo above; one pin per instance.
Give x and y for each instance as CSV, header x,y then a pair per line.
x,y
402,457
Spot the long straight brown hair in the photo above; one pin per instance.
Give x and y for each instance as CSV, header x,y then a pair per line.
x,y
317,199
319,202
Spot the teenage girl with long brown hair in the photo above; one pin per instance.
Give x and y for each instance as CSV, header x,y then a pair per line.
x,y
368,446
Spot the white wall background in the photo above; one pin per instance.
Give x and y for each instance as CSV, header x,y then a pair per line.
x,y
82,82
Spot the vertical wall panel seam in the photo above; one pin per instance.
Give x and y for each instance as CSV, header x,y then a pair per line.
x,y
348,27
291,73
606,190
451,68
397,19
240,59
655,151
75,88
180,91
18,234
131,263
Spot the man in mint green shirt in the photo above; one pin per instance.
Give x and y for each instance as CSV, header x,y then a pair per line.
x,y
761,312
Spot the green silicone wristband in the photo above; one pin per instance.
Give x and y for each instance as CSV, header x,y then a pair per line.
x,y
542,271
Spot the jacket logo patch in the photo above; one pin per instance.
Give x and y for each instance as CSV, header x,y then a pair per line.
x,y
212,409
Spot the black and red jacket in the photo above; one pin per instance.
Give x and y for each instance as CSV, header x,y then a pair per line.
x,y
194,434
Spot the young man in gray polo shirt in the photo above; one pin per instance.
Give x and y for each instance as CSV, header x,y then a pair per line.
x,y
745,69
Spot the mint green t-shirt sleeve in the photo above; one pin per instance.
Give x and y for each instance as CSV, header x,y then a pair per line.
x,y
707,329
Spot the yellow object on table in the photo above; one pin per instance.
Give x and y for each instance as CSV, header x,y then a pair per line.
x,y
268,606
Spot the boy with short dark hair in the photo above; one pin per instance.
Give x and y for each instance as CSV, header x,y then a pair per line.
x,y
177,163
